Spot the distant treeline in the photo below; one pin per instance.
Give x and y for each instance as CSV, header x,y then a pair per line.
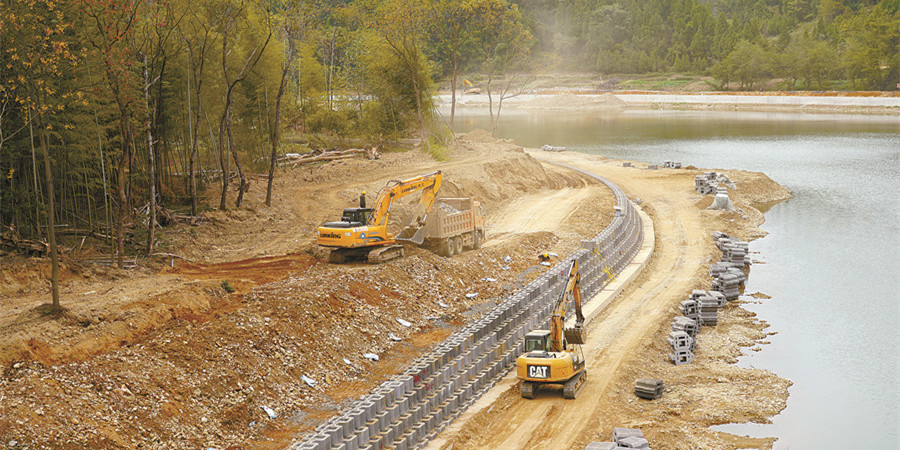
x,y
113,109
850,44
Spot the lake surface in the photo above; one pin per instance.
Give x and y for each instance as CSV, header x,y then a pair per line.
x,y
832,254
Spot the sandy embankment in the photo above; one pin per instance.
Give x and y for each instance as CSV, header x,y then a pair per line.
x,y
627,340
834,102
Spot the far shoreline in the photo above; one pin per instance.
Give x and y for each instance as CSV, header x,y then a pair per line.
x,y
863,102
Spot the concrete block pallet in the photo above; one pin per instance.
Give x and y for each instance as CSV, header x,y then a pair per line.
x,y
649,388
706,184
623,438
409,409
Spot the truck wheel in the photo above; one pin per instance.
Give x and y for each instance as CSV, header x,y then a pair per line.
x,y
476,239
459,244
446,248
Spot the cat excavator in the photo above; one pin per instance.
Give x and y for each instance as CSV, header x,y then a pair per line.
x,y
554,356
362,232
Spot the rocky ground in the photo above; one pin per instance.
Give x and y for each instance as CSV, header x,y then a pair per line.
x,y
164,357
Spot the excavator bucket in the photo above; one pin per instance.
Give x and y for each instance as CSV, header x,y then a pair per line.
x,y
412,234
575,335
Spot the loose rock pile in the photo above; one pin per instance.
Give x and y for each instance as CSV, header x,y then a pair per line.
x,y
623,438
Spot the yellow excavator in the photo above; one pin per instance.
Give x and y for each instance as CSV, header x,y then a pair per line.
x,y
362,232
554,356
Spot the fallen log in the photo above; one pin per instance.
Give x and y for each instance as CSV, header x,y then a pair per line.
x,y
296,159
13,243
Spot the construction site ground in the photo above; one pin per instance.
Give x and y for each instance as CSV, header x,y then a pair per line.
x,y
162,356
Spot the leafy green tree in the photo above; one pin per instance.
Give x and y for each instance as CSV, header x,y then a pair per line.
x,y
42,59
401,26
871,47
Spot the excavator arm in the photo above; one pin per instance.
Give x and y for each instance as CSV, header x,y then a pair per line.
x,y
394,190
558,333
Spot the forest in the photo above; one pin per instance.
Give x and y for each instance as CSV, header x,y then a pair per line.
x,y
117,115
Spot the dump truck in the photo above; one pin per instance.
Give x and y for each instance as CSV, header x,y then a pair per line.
x,y
453,225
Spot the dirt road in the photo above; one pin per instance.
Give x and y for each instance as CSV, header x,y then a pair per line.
x,y
544,211
502,419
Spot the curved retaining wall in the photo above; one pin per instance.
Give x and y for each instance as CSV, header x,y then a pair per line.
x,y
408,410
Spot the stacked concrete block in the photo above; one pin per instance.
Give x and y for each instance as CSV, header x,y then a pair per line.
x,y
706,184
671,165
709,310
734,251
689,326
680,358
742,277
649,388
624,433
634,442
602,446
679,340
728,284
690,309
683,346
718,268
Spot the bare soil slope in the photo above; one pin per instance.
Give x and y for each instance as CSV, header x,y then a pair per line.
x,y
164,357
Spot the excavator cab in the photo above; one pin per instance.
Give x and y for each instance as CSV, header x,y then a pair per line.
x,y
357,217
351,218
537,340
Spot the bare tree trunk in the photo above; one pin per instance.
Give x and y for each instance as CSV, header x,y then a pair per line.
x,y
225,127
222,150
123,196
51,225
37,215
453,79
195,137
491,103
151,226
237,162
276,132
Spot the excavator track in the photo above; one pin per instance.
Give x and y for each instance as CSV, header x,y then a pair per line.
x,y
574,385
386,253
529,388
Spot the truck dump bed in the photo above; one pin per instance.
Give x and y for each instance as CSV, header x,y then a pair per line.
x,y
450,217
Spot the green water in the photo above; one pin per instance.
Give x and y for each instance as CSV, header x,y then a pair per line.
x,y
832,254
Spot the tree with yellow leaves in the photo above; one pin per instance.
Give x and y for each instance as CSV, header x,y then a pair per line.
x,y
41,56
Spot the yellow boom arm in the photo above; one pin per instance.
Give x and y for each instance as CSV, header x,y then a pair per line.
x,y
394,190
572,335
